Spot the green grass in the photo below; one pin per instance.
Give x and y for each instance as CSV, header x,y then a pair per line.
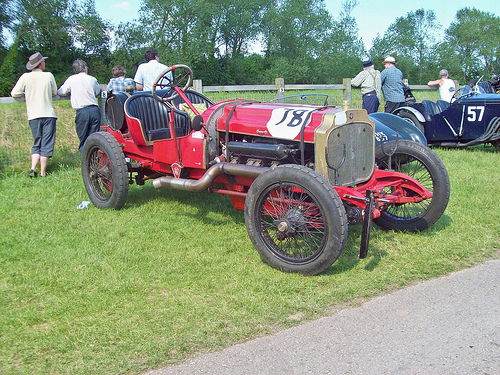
x,y
16,139
173,274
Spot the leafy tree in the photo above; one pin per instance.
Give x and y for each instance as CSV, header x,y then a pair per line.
x,y
343,38
475,35
294,28
90,33
44,27
412,38
8,74
5,19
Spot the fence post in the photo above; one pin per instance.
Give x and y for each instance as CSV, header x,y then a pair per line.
x,y
280,87
347,90
198,85
101,101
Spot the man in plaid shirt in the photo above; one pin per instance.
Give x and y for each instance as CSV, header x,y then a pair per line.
x,y
392,85
119,83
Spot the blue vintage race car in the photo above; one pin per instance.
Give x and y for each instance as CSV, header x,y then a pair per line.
x,y
471,119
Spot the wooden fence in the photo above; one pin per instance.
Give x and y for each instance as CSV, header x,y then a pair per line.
x,y
15,136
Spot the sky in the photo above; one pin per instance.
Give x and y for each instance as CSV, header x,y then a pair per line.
x,y
372,16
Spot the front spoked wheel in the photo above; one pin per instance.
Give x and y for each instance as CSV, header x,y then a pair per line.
x,y
422,164
104,171
295,219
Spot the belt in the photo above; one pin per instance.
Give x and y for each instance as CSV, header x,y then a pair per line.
x,y
371,93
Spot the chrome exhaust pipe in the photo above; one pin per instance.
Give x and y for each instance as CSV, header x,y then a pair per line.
x,y
208,178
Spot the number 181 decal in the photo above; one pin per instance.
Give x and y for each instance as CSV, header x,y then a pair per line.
x,y
287,122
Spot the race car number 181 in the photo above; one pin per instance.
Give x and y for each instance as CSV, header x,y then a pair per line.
x,y
287,122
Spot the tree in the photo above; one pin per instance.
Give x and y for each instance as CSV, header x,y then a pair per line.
x,y
475,35
90,33
5,19
8,74
413,38
343,38
295,28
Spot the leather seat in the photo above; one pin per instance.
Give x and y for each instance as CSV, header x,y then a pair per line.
x,y
431,107
442,105
153,117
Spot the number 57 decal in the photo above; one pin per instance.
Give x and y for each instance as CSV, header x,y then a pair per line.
x,y
475,113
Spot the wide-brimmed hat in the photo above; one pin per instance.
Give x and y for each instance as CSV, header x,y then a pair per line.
x,y
389,59
367,63
35,60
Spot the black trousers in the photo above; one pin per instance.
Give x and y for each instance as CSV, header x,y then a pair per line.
x,y
391,106
87,121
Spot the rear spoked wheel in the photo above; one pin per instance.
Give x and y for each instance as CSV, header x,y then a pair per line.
x,y
295,219
104,171
422,164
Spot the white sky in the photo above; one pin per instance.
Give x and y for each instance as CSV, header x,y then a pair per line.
x,y
372,16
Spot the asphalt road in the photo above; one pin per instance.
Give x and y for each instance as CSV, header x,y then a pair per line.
x,y
449,325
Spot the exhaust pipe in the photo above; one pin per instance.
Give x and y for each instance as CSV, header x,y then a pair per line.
x,y
208,178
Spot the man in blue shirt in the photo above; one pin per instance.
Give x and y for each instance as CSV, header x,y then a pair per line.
x,y
392,85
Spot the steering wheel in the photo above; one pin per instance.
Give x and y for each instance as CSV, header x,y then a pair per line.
x,y
175,76
463,92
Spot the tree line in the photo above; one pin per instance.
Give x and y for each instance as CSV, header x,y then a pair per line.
x,y
298,40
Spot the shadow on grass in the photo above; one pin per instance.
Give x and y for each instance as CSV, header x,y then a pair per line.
x,y
202,204
349,258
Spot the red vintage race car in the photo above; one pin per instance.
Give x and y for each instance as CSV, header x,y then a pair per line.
x,y
300,173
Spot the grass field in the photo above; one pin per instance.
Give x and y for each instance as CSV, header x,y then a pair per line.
x,y
173,274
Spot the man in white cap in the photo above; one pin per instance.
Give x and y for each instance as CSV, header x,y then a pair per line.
x,y
39,87
446,85
392,85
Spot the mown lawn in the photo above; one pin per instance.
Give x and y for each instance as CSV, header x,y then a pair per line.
x,y
173,274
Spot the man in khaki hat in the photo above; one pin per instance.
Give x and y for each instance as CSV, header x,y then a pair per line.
x,y
392,85
39,87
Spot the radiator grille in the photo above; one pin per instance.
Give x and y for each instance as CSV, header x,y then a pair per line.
x,y
350,154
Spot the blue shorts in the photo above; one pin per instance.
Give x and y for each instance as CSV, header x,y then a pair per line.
x,y
44,135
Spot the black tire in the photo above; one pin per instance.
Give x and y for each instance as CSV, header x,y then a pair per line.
x,y
104,171
295,219
410,117
422,164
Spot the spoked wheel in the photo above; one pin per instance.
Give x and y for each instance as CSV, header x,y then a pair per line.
x,y
174,77
295,219
422,164
104,171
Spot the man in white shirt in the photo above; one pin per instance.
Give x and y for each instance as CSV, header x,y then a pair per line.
x,y
446,85
147,72
83,89
39,87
